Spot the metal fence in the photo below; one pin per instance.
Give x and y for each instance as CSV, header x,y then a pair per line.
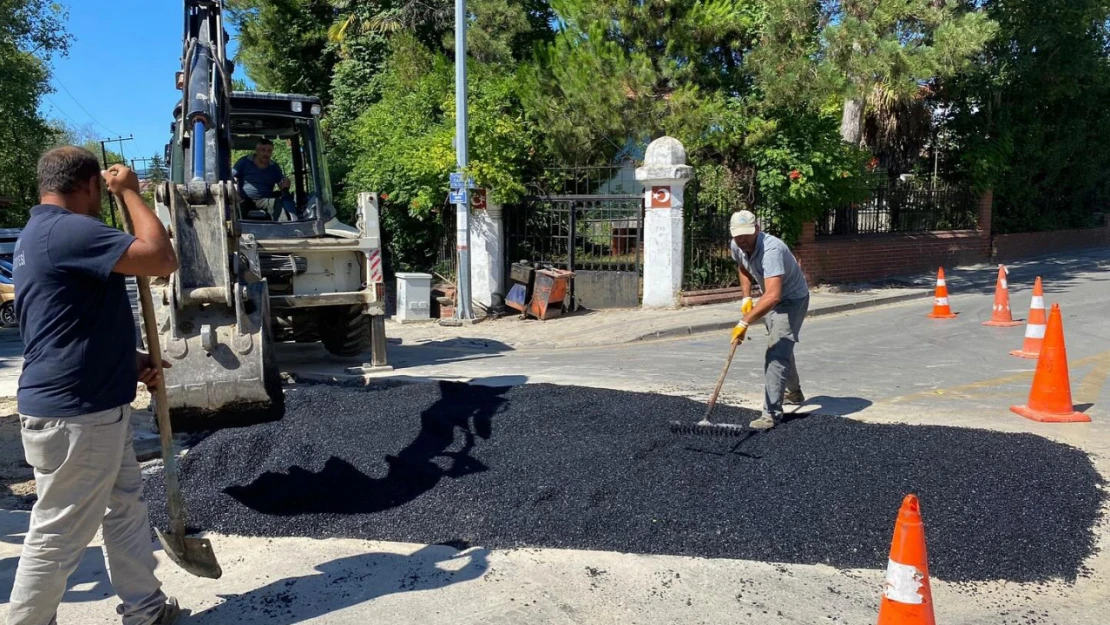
x,y
588,220
894,205
577,232
583,218
708,259
447,258
616,179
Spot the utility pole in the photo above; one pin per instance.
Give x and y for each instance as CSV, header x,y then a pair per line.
x,y
144,160
104,156
465,308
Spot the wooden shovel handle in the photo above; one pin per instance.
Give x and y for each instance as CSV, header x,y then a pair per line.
x,y
175,503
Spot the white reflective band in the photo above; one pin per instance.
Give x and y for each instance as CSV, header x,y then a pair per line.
x,y
1004,285
941,301
903,583
1038,302
1034,332
941,282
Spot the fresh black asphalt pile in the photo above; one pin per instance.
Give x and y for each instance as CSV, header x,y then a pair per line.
x,y
561,466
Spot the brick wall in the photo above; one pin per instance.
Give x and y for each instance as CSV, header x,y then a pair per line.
x,y
844,258
863,258
1007,247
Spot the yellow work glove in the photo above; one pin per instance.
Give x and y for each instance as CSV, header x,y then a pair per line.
x,y
739,331
746,306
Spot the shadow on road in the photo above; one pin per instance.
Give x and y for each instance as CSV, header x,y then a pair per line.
x,y
445,351
1058,272
347,582
313,356
833,406
342,488
88,583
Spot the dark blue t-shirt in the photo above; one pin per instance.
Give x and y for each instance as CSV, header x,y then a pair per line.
x,y
254,182
74,316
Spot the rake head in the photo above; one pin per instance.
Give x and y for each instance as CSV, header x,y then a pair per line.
x,y
706,428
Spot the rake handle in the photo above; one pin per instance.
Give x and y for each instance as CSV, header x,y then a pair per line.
x,y
721,380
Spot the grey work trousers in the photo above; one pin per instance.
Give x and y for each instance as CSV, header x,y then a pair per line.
x,y
86,477
784,325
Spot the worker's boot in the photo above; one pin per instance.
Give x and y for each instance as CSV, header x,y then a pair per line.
x,y
170,613
762,423
794,398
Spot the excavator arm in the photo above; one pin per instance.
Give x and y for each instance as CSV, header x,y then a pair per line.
x,y
213,312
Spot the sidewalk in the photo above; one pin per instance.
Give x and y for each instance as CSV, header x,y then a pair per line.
x,y
617,326
620,326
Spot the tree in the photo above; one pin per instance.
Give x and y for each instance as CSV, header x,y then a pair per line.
x,y
501,32
619,71
283,44
157,169
619,74
1030,120
31,33
851,50
409,132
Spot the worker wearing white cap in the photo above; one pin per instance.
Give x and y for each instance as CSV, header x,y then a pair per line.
x,y
766,260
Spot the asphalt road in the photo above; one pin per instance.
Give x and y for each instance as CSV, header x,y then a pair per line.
x,y
848,363
878,365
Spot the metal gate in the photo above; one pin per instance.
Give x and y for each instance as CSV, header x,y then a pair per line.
x,y
598,237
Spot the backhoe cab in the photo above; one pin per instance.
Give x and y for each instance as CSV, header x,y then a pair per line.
x,y
250,277
324,276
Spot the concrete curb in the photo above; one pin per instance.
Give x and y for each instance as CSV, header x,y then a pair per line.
x,y
714,326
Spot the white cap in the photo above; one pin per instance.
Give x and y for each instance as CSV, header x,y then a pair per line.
x,y
743,222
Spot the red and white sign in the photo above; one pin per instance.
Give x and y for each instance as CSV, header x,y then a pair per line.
x,y
478,200
660,197
376,266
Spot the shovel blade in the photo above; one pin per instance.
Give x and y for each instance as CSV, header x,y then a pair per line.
x,y
195,555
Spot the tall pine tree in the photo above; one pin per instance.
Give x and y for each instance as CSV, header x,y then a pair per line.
x,y
814,50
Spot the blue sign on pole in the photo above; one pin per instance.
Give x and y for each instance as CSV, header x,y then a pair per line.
x,y
457,182
459,197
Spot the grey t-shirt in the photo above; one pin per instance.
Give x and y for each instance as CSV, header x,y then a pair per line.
x,y
772,258
254,182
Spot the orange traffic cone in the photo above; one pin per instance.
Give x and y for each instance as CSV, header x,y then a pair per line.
x,y
1050,397
940,301
1035,328
1000,314
907,597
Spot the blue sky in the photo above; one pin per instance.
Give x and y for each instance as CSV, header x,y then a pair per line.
x,y
119,76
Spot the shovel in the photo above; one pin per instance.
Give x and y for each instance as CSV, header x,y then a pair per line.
x,y
192,554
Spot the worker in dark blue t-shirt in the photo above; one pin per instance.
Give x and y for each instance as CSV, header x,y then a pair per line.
x,y
257,176
80,369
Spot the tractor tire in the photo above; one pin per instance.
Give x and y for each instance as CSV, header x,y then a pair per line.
x,y
283,328
305,328
344,330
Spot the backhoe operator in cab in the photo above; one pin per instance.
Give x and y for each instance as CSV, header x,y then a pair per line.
x,y
256,177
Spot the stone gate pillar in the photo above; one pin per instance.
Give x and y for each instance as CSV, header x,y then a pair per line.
x,y
487,254
664,176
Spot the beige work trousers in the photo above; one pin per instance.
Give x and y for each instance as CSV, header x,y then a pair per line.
x,y
87,477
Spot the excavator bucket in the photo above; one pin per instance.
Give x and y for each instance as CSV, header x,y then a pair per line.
x,y
214,318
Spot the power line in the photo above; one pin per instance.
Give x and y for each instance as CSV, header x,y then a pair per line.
x,y
78,103
62,111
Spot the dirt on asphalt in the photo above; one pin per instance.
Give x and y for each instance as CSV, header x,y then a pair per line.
x,y
596,469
